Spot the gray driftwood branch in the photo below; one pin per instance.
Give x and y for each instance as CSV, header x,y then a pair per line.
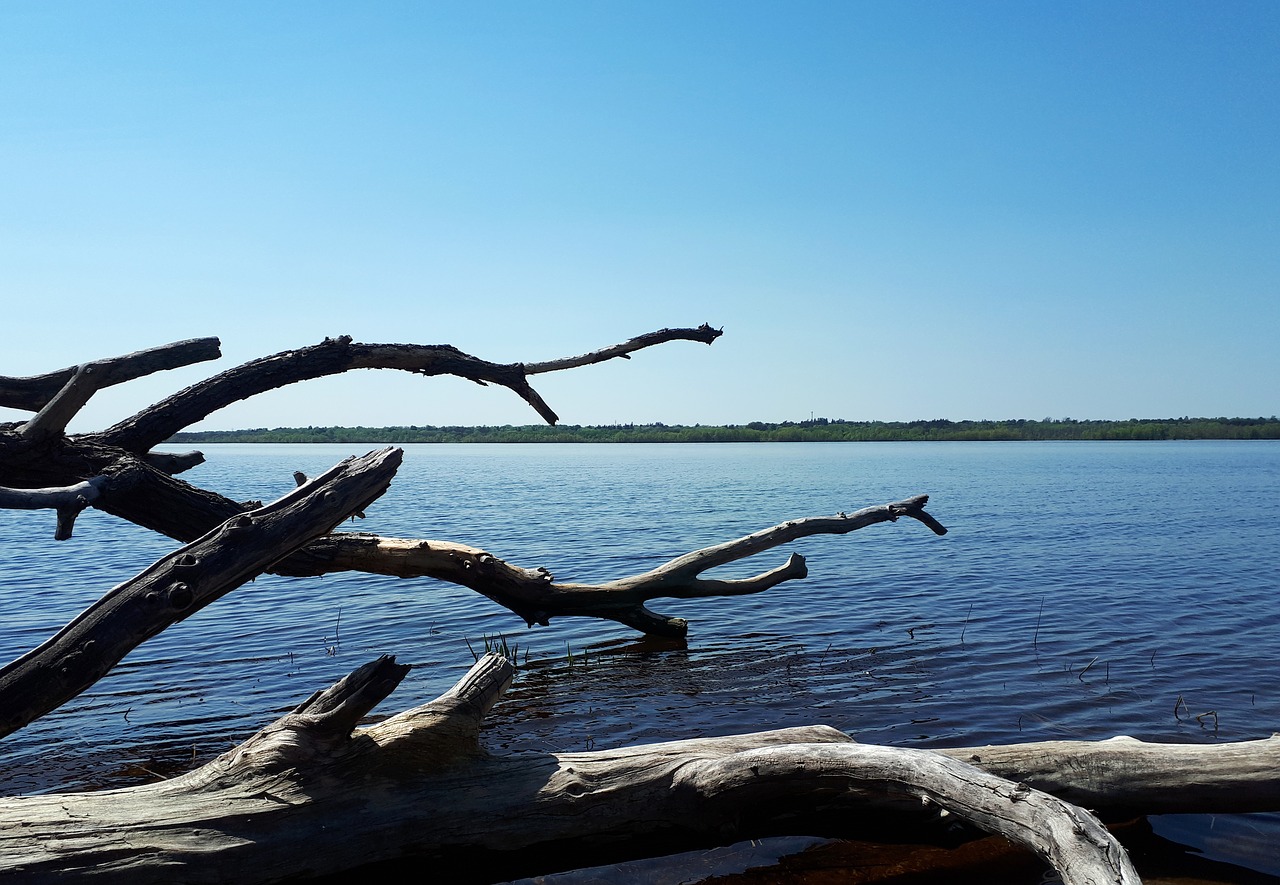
x,y
534,595
68,501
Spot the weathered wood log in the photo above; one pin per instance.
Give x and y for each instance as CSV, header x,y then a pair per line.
x,y
1123,776
303,796
181,584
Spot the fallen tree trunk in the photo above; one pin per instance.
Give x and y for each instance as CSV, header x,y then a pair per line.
x,y
1124,776
306,797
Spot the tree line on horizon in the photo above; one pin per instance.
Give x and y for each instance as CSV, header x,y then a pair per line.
x,y
814,430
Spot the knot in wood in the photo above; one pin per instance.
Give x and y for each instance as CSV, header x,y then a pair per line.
x,y
186,561
237,524
180,595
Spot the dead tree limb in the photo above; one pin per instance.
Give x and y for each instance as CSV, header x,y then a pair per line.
x,y
703,333
281,805
34,393
69,502
38,455
143,490
535,596
336,355
181,584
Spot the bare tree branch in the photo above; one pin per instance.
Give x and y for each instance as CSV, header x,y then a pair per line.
x,y
40,499
536,597
174,462
334,356
68,501
34,393
703,333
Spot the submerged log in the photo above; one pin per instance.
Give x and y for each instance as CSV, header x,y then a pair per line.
x,y
306,796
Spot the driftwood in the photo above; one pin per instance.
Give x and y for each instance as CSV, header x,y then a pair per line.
x,y
138,484
304,795
69,502
308,796
535,596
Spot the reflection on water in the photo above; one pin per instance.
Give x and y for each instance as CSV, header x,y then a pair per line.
x,y
1085,590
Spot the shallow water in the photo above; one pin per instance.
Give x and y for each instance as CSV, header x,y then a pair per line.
x,y
1084,590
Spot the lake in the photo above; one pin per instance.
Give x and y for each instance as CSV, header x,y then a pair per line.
x,y
1085,590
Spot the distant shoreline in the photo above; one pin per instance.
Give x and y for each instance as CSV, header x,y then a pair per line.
x,y
816,430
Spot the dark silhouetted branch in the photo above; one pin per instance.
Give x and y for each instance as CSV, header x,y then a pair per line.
x,y
182,583
34,393
336,355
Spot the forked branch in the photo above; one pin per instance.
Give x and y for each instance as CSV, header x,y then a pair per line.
x,y
68,501
33,393
336,355
535,596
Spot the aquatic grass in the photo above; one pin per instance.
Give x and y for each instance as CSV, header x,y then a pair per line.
x,y
1035,637
569,656
332,649
498,645
1086,668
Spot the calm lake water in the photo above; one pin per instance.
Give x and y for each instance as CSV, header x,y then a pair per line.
x,y
1085,590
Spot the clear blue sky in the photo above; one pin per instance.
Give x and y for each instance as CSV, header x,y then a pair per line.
x,y
896,210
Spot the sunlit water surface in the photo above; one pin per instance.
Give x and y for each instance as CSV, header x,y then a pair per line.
x,y
1085,590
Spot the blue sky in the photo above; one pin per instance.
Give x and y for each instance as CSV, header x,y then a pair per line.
x,y
895,210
